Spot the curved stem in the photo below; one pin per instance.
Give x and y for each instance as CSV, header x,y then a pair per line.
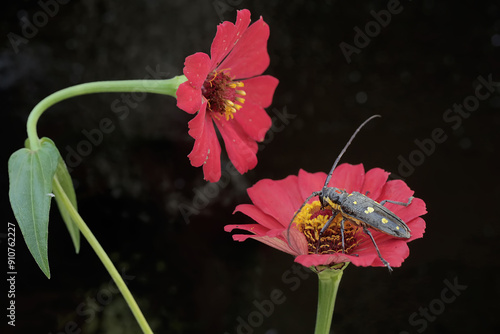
x,y
164,86
106,261
329,280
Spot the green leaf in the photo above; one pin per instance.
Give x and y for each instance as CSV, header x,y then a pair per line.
x,y
62,175
30,193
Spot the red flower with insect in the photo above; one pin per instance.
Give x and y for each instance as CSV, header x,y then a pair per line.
x,y
227,89
275,202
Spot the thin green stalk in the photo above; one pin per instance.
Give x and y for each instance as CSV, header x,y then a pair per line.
x,y
165,86
59,192
329,280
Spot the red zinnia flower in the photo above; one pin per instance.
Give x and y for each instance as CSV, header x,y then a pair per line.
x,y
228,89
275,202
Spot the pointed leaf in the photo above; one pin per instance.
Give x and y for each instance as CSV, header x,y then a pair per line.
x,y
30,178
62,175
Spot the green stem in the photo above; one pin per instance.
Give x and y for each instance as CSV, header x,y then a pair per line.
x,y
59,192
329,280
165,86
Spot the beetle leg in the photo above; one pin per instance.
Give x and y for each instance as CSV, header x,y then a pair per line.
x,y
327,224
341,226
341,230
398,203
367,231
342,234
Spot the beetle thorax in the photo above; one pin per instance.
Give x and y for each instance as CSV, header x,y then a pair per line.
x,y
335,195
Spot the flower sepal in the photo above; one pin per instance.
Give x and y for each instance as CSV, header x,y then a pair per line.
x,y
172,85
335,267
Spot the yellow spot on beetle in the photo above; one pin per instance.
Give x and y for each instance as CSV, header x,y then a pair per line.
x,y
369,210
354,202
384,221
397,227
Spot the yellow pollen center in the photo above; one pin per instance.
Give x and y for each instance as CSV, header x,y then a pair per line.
x,y
311,219
225,96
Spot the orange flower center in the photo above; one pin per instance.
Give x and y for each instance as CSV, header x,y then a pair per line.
x,y
311,220
224,96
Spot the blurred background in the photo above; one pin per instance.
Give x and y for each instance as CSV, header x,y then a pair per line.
x,y
162,224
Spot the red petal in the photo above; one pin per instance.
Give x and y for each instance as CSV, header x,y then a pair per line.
x,y
271,238
254,120
279,199
197,124
417,227
240,148
206,150
326,259
375,180
188,98
363,260
211,168
277,243
249,56
395,190
394,251
297,241
196,69
199,153
414,210
253,228
227,35
260,90
348,177
310,182
256,214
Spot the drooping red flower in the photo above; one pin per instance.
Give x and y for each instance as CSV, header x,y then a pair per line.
x,y
227,88
275,202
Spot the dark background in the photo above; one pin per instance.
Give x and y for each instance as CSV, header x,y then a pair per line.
x,y
192,278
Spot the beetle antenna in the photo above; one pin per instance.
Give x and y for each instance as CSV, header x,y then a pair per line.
x,y
345,148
